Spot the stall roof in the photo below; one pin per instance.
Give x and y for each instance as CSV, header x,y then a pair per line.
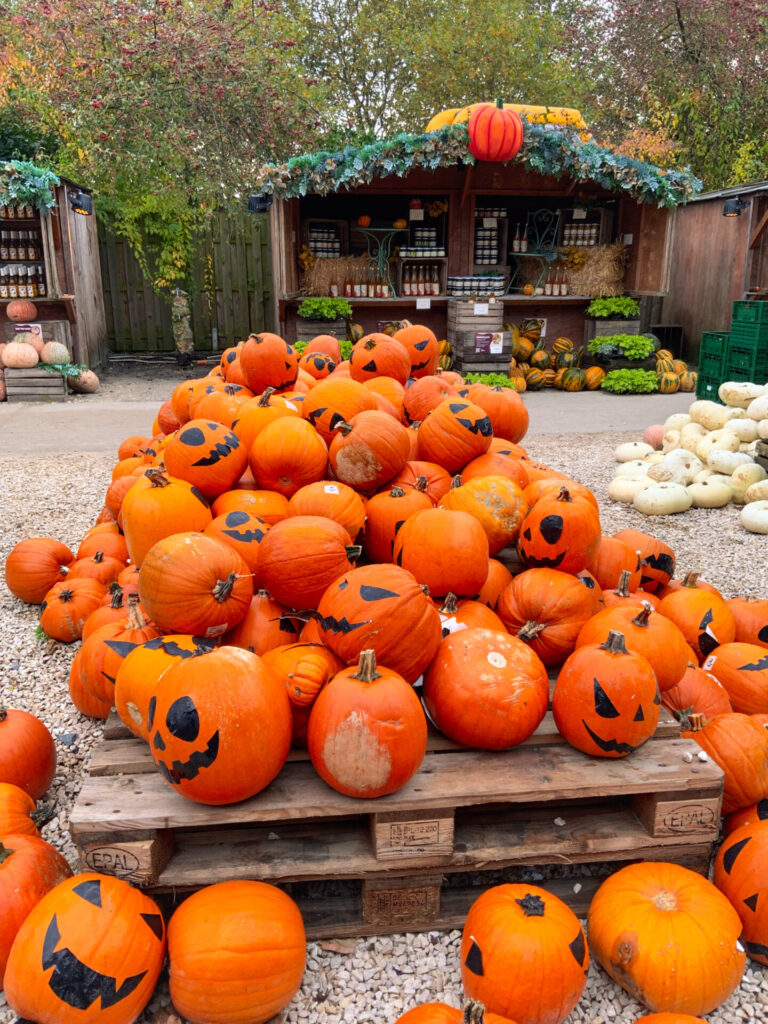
x,y
546,150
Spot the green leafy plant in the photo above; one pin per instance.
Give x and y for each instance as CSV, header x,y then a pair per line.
x,y
619,307
491,379
23,183
65,369
631,346
634,382
325,309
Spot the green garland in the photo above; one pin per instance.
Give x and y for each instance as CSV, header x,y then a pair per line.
x,y
65,369
547,150
22,183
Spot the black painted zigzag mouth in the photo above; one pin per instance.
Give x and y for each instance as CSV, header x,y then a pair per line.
x,y
186,770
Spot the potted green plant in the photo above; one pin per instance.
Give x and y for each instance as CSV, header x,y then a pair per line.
x,y
623,351
617,314
322,316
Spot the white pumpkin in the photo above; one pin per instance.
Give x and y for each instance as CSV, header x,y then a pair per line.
x,y
703,474
624,488
745,429
19,356
668,473
676,421
654,458
717,440
709,415
725,461
55,352
637,467
670,441
757,492
743,478
721,478
690,436
754,517
632,450
662,500
762,429
739,393
758,408
709,494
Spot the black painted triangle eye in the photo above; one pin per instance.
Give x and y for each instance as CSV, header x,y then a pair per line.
x,y
603,704
369,593
474,959
551,528
183,720
151,709
89,891
730,855
578,948
751,901
639,716
155,922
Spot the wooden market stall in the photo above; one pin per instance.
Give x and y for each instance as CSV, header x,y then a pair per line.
x,y
432,205
49,254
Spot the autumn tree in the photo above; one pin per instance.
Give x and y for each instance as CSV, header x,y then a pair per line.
x,y
164,107
688,75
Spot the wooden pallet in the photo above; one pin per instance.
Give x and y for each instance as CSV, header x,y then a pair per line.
x,y
34,385
464,811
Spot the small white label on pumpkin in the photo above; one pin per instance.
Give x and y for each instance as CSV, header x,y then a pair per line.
x,y
290,405
480,309
422,302
331,489
709,662
451,624
217,630
497,659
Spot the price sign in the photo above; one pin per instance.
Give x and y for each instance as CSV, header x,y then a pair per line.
x,y
416,214
490,222
480,309
423,303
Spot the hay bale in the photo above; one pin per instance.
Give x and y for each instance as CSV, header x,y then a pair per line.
x,y
316,280
601,274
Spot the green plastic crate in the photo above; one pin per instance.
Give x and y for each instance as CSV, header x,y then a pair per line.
x,y
712,352
706,387
750,334
752,373
750,312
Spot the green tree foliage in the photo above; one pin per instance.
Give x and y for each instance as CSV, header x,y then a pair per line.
x,y
681,77
385,68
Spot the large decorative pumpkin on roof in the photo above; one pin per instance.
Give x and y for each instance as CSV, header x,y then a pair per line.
x,y
90,952
494,133
524,954
222,744
667,936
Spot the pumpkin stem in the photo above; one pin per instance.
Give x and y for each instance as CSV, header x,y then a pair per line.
x,y
223,588
450,606
689,580
3,713
117,595
5,853
265,396
697,721
533,906
622,587
404,324
135,619
43,814
564,494
366,668
414,424
530,630
157,477
641,619
370,344
344,427
66,596
683,716
421,484
474,1013
397,492
98,557
353,551
665,900
615,643
498,387
424,588
456,481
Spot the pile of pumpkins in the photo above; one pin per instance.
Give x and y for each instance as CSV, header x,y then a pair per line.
x,y
673,374
25,351
702,459
533,366
316,535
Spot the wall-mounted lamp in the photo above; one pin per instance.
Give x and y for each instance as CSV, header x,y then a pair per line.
x,y
734,206
81,203
260,203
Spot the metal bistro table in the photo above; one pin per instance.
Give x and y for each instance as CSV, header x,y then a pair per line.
x,y
380,249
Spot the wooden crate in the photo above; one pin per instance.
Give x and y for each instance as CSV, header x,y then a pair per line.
x,y
34,385
52,330
472,349
464,811
461,319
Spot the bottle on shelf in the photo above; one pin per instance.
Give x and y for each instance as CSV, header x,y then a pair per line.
x,y
420,280
42,289
3,283
516,240
524,240
556,281
356,286
348,289
31,283
13,287
548,282
333,287
434,279
384,287
406,286
4,245
13,245
564,282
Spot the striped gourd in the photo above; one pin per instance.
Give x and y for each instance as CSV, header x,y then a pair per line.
x,y
522,348
520,384
445,361
669,383
531,329
559,374
540,358
679,366
664,353
445,348
566,359
665,365
562,345
594,377
574,379
688,380
534,379
549,378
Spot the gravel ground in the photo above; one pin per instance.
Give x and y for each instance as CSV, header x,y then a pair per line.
x,y
60,495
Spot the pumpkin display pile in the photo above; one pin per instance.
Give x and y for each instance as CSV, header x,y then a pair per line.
x,y
297,543
701,459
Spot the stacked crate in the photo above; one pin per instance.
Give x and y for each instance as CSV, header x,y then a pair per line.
x,y
740,353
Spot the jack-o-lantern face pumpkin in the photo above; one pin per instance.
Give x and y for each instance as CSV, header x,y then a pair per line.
x,y
560,532
740,875
606,699
223,743
90,951
207,455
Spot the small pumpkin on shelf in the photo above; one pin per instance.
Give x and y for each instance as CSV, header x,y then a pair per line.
x,y
364,221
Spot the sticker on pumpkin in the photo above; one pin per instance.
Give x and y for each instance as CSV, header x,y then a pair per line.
x,y
709,662
219,630
331,489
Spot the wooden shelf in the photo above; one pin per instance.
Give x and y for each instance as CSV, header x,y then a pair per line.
x,y
562,300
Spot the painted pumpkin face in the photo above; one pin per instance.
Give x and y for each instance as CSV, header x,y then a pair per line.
x,y
225,743
317,364
90,951
206,454
560,532
606,699
740,875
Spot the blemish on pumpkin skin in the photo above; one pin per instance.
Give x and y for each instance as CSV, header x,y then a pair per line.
x,y
354,756
357,464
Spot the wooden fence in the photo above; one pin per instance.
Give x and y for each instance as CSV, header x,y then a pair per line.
x,y
231,297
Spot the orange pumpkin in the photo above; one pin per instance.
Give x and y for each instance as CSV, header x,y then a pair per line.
x,y
740,875
444,549
158,506
243,532
456,615
257,413
207,455
386,512
17,811
267,361
333,401
496,502
560,532
287,455
703,618
497,464
657,559
422,347
27,752
331,500
424,395
739,744
267,624
325,343
506,410
103,652
67,606
495,133
34,566
497,579
742,669
305,668
750,618
377,355
82,697
696,693
610,560
267,505
428,477
369,451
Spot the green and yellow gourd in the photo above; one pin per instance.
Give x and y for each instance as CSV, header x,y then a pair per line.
x,y
549,378
665,365
566,359
354,332
574,379
531,329
540,358
679,366
445,361
534,379
559,374
562,345
669,383
688,380
664,353
593,377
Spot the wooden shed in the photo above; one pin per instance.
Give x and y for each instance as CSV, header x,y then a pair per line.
x,y
587,196
60,247
715,260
